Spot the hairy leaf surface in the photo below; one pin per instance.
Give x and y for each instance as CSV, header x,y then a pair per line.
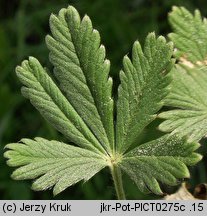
x,y
190,34
52,163
142,89
52,104
82,110
163,160
189,89
82,71
189,97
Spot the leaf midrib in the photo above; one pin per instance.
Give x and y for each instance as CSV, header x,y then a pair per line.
x,y
81,68
62,110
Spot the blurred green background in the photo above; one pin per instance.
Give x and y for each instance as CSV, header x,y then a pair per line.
x,y
23,26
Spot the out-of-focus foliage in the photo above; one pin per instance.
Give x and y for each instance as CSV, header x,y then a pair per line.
x,y
23,25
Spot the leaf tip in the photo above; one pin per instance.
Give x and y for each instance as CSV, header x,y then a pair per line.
x,y
175,8
151,35
136,45
71,8
197,158
56,190
18,69
15,175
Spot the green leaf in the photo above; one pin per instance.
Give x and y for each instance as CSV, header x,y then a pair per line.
x,y
188,95
82,110
142,89
52,104
190,34
163,160
82,71
188,89
52,163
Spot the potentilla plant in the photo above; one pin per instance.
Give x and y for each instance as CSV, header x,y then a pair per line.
x,y
102,131
188,93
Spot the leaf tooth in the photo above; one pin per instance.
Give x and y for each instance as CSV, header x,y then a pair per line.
x,y
49,161
72,17
142,88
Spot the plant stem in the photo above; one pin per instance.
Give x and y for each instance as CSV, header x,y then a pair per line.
x,y
117,178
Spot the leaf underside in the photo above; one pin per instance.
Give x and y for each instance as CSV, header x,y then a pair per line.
x,y
189,89
163,160
52,104
82,110
52,163
188,96
80,67
142,89
190,34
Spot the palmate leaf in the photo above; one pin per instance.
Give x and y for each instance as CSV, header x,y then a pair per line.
x,y
55,163
142,89
188,89
82,110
